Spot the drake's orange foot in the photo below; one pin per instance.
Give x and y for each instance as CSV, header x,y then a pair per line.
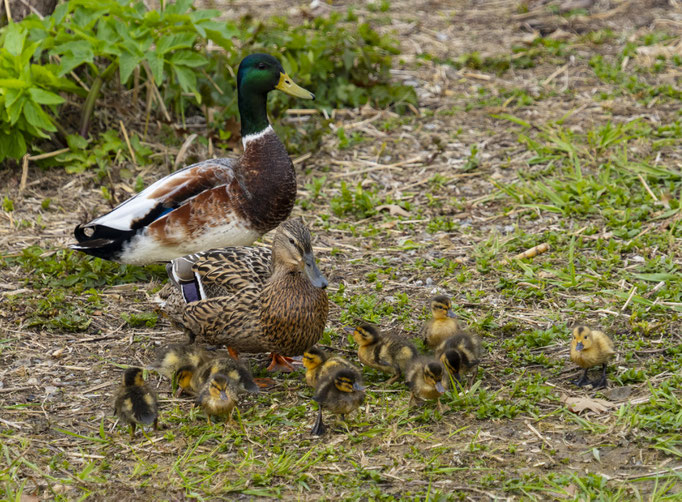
x,y
233,353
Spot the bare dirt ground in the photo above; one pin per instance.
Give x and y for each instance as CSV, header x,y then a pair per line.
x,y
59,437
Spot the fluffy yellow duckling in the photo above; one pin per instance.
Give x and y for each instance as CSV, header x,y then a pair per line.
x,y
443,325
383,352
217,398
425,379
591,348
135,403
459,354
179,362
340,392
238,374
319,364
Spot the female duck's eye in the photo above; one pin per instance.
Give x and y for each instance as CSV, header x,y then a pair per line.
x,y
291,241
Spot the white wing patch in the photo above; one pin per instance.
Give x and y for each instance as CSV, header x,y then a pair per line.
x,y
142,249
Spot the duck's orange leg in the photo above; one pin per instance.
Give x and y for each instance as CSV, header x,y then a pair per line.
x,y
233,353
282,363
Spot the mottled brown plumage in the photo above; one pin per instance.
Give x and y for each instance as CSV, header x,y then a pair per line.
x,y
276,305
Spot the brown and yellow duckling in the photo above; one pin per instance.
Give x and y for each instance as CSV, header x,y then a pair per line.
x,y
340,391
591,348
442,325
217,398
319,364
186,357
459,354
255,300
383,352
425,379
238,374
135,403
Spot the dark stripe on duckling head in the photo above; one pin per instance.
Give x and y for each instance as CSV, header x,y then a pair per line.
x,y
133,377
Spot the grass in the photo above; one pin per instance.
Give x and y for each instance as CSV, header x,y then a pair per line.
x,y
508,163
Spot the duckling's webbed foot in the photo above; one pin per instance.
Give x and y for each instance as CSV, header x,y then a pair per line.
x,y
282,363
583,381
318,428
601,383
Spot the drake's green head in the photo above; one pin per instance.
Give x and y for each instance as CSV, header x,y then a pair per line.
x,y
259,74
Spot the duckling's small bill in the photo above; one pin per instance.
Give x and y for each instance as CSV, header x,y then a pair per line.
x,y
288,86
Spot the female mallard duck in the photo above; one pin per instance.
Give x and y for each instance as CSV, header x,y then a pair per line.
x,y
215,203
442,325
217,398
339,392
255,300
318,364
459,354
385,353
591,348
134,402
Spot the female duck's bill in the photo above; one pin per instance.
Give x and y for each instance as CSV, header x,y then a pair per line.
x,y
214,203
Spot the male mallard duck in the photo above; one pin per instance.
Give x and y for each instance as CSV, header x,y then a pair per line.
x,y
134,402
238,374
319,364
424,378
383,352
459,354
215,203
340,392
443,325
217,398
591,348
255,300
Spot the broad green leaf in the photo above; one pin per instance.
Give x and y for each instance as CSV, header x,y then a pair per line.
x,y
126,65
187,80
174,42
35,116
43,97
156,65
14,39
14,83
12,146
188,58
76,142
14,111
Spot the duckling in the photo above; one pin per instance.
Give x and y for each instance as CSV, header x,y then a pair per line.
x,y
424,378
591,348
443,325
459,354
377,350
179,362
135,403
238,374
340,392
217,397
319,364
